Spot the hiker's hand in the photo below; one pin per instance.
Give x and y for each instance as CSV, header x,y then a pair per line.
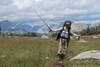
x,y
78,37
50,30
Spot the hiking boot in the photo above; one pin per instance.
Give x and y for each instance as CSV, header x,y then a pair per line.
x,y
61,56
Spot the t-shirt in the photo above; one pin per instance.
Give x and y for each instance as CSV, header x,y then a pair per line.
x,y
64,33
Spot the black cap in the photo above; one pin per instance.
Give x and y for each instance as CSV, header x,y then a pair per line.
x,y
67,22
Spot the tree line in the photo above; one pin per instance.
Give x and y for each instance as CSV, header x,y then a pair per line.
x,y
91,30
2,33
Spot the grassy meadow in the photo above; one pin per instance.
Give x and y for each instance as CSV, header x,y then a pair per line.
x,y
37,52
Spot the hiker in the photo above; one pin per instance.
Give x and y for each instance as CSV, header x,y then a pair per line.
x,y
63,37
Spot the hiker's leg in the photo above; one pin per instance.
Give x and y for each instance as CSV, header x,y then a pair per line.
x,y
60,47
63,44
66,46
61,54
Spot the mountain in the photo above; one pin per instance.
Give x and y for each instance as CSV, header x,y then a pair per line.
x,y
23,26
44,28
36,28
95,24
76,27
8,26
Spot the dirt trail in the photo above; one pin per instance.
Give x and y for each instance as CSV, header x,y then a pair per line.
x,y
58,63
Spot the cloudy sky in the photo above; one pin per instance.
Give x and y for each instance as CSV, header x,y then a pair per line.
x,y
83,11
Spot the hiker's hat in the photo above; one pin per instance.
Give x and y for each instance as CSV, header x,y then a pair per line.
x,y
67,22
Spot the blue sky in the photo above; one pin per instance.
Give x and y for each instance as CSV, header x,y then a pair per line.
x,y
83,11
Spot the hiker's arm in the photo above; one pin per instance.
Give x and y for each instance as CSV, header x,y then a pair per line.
x,y
76,35
56,30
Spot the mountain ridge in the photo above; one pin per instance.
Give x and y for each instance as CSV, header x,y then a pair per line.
x,y
15,26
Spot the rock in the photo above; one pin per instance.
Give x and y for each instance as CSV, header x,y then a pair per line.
x,y
95,37
95,54
99,35
44,37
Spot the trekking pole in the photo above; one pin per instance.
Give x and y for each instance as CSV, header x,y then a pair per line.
x,y
43,20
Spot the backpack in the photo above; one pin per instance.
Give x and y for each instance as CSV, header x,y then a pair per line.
x,y
59,34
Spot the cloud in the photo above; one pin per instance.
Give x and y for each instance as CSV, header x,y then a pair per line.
x,y
5,2
88,22
23,4
77,10
38,0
